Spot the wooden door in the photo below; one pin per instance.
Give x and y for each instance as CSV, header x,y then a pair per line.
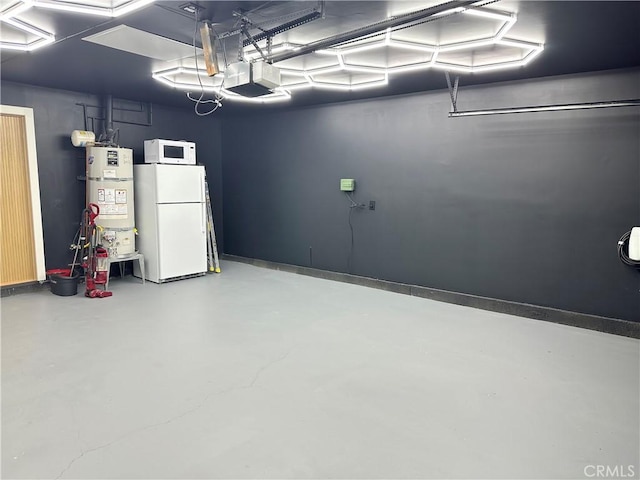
x,y
17,246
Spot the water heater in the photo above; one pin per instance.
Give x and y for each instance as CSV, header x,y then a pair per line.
x,y
110,186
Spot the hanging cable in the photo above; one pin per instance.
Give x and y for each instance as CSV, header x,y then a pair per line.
x,y
623,251
353,206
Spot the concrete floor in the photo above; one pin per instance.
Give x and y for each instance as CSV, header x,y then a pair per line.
x,y
256,373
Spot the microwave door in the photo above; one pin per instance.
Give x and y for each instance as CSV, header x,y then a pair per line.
x,y
173,152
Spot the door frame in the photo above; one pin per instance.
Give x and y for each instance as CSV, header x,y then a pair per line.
x,y
34,184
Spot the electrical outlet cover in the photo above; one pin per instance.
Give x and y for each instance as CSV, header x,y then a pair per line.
x,y
347,184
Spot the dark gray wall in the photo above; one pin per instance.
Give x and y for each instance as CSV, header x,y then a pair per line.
x,y
59,164
526,208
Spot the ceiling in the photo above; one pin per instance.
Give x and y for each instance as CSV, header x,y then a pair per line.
x,y
577,36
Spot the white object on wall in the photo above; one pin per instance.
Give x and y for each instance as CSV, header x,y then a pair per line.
x,y
634,244
82,138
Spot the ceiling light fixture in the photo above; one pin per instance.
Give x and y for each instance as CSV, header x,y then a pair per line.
x,y
9,15
121,10
373,70
505,28
486,13
468,45
74,6
44,38
352,86
349,58
15,9
405,45
408,68
26,47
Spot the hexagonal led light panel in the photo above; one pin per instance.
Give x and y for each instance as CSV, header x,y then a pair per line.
x,y
103,8
368,63
18,34
22,36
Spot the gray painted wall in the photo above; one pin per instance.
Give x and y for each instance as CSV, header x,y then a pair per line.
x,y
526,208
59,163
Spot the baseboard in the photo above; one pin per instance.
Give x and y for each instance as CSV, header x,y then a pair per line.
x,y
29,287
575,319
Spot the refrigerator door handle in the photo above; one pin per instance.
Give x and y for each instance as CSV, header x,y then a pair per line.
x,y
203,178
203,219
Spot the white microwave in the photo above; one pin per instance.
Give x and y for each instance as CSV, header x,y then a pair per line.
x,y
169,151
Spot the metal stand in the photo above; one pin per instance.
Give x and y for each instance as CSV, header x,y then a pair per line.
x,y
136,256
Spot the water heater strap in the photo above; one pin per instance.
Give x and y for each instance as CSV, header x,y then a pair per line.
x,y
103,179
117,229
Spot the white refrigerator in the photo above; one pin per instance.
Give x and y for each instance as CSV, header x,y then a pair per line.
x,y
171,220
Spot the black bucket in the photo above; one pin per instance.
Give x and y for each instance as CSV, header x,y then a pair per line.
x,y
64,285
